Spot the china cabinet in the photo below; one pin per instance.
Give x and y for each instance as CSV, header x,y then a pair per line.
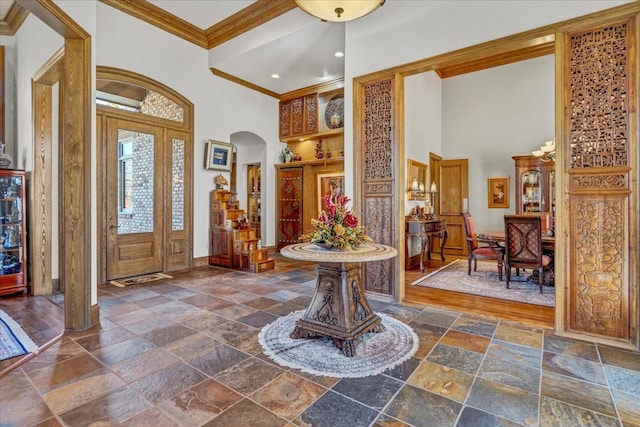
x,y
13,254
535,186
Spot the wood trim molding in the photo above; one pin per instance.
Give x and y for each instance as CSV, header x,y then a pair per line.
x,y
333,85
244,83
49,13
246,19
160,18
14,19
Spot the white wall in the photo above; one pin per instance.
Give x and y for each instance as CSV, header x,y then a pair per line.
x,y
222,108
491,115
422,120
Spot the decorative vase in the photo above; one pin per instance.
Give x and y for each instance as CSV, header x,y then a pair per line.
x,y
326,246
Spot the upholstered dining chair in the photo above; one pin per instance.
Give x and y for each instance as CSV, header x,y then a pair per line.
x,y
480,248
523,245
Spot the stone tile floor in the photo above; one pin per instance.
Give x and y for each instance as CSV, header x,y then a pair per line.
x,y
184,352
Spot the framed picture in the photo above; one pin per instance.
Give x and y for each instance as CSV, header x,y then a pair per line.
x,y
499,192
329,183
218,156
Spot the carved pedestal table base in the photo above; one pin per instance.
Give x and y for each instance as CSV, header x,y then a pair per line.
x,y
339,309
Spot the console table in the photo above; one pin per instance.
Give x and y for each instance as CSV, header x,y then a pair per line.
x,y
339,309
425,229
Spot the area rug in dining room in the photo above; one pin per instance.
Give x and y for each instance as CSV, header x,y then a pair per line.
x,y
484,282
375,353
13,340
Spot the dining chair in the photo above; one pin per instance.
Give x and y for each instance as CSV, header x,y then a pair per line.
x,y
523,245
477,248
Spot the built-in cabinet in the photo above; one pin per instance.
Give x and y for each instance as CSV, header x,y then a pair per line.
x,y
299,189
13,242
535,186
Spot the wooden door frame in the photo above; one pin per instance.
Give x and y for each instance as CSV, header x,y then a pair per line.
x,y
75,163
517,47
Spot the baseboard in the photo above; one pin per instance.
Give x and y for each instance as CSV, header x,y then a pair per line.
x,y
95,314
202,261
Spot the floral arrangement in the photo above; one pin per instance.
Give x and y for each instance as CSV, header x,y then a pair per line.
x,y
337,227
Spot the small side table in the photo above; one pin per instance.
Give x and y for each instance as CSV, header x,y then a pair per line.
x,y
339,308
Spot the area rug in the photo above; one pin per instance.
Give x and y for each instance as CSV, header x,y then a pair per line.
x,y
138,280
13,340
375,353
484,282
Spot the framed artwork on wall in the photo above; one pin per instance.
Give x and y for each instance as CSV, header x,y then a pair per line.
x,y
498,194
328,184
218,155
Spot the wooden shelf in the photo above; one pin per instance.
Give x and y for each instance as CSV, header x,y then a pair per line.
x,y
310,162
314,136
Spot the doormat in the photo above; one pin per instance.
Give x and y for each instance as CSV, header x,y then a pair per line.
x,y
484,282
13,340
139,280
375,353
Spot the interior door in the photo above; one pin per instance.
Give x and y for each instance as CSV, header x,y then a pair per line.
x,y
453,188
134,192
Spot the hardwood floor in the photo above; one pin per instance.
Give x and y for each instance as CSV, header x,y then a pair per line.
x,y
526,314
42,318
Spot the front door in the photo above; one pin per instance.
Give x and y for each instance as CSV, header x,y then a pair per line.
x,y
134,194
454,187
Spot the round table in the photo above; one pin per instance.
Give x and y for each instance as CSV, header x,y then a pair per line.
x,y
339,309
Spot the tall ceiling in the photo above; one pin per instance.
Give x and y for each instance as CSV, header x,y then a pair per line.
x,y
267,37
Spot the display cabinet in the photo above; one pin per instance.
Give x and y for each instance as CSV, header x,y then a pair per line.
x,y
535,188
13,253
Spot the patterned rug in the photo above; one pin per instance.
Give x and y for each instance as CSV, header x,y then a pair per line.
x,y
138,280
375,353
13,340
484,281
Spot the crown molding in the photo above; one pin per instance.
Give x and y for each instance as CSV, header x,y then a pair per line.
x,y
244,20
244,83
161,19
14,19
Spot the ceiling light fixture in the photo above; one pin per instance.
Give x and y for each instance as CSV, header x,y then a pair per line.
x,y
275,76
339,54
339,10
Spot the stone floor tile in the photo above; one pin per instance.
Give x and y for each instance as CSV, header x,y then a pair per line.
x,y
508,402
374,391
247,413
404,370
511,374
571,347
218,359
472,417
288,395
573,367
422,408
457,358
518,335
628,406
465,340
122,350
448,382
114,407
257,319
559,414
335,410
621,358
515,353
199,404
475,325
248,375
623,379
436,318
577,392
144,364
168,382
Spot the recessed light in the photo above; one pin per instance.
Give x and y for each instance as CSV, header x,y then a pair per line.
x,y
275,76
339,54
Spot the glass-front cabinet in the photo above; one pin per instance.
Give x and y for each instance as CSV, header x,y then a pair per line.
x,y
13,255
535,188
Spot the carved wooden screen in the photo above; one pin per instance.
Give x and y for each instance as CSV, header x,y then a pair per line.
x,y
598,156
378,180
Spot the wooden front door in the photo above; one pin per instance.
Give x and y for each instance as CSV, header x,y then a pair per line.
x,y
453,188
134,205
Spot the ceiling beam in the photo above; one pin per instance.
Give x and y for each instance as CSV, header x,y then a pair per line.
x,y
160,18
250,17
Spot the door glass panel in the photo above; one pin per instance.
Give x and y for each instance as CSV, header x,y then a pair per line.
x,y
177,185
135,182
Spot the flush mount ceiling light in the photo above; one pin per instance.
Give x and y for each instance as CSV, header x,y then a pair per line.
x,y
339,10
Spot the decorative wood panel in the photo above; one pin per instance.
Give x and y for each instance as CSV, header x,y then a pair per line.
x,y
377,166
289,211
285,119
311,113
600,143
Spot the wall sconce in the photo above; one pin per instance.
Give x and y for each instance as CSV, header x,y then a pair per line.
x,y
434,192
